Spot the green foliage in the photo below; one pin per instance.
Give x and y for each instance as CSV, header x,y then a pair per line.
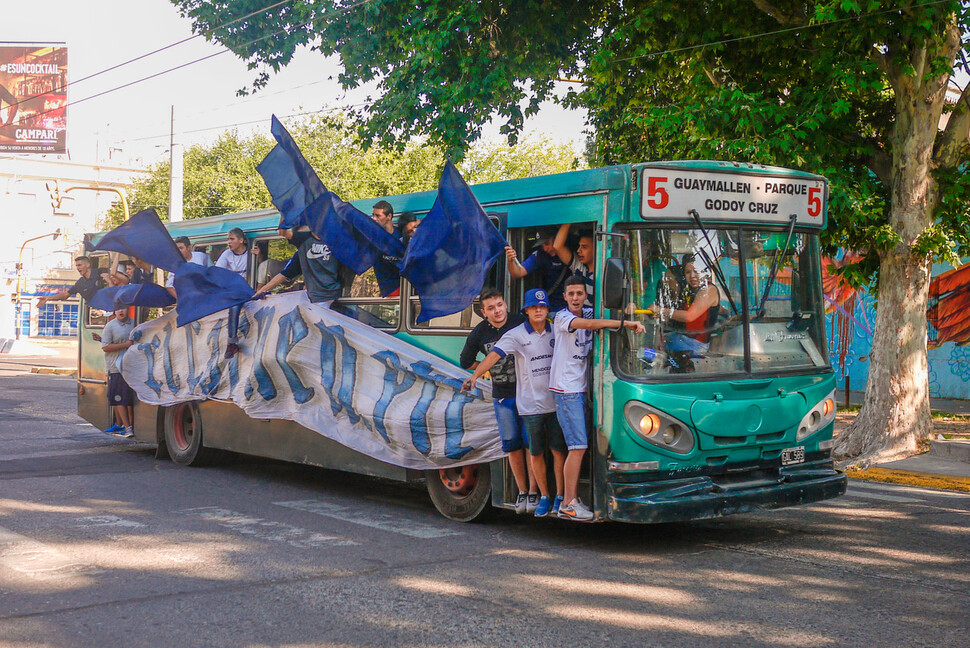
x,y
222,178
827,86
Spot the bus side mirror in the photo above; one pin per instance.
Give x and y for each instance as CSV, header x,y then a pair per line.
x,y
615,273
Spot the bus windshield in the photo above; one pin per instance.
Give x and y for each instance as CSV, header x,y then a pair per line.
x,y
723,300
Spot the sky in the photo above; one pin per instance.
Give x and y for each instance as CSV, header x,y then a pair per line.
x,y
131,126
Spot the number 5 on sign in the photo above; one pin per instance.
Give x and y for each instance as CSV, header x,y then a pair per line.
x,y
814,202
657,197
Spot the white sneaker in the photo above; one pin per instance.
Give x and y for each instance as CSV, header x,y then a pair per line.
x,y
129,432
520,504
575,510
532,503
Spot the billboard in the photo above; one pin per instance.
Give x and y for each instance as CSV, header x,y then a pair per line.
x,y
33,98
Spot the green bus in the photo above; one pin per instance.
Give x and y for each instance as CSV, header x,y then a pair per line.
x,y
728,412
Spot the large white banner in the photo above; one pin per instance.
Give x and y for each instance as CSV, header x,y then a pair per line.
x,y
298,361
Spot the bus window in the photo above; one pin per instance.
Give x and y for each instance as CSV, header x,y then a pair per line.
x,y
689,289
362,300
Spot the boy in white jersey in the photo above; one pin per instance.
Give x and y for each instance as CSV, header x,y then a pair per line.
x,y
532,342
573,328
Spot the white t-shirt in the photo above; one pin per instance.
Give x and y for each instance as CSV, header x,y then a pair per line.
x,y
238,263
578,267
569,359
533,359
197,257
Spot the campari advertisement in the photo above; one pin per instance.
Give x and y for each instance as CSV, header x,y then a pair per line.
x,y
33,98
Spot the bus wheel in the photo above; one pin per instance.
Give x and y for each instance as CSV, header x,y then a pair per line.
x,y
183,435
462,494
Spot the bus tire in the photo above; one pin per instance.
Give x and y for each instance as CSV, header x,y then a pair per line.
x,y
183,435
462,494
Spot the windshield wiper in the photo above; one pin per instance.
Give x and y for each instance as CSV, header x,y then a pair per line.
x,y
716,269
774,267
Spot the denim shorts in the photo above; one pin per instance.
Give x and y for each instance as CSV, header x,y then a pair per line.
x,y
571,412
543,431
510,425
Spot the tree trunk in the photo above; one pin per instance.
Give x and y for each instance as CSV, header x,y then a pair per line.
x,y
896,411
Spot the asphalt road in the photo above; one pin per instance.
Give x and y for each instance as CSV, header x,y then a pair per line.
x,y
103,545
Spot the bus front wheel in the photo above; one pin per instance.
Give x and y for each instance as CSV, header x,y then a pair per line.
x,y
183,435
462,494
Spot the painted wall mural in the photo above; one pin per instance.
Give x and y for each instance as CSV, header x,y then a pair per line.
x,y
851,316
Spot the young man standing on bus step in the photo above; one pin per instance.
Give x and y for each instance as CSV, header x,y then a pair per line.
x,y
573,328
531,343
483,337
121,397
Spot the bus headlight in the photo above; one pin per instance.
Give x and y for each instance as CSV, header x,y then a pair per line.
x,y
817,418
658,428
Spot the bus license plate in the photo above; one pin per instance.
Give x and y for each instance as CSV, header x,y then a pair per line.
x,y
794,455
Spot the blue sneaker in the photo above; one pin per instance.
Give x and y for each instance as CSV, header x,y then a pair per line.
x,y
115,429
544,505
556,503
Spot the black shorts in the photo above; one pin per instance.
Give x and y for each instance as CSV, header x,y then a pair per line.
x,y
119,393
544,432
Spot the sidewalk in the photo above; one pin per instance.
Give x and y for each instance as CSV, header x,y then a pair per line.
x,y
947,463
39,355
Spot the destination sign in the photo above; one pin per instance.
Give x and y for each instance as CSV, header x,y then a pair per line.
x,y
670,193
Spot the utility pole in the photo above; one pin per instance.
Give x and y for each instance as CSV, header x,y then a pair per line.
x,y
175,176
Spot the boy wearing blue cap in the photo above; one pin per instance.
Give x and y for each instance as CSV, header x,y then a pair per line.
x,y
573,329
532,343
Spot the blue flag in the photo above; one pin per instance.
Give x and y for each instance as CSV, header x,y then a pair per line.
x,y
291,181
144,236
452,251
203,291
146,294
355,238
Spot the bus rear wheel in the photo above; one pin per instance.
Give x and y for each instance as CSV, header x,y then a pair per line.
x,y
462,494
183,435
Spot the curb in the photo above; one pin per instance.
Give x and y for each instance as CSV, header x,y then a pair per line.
x,y
57,371
910,478
952,450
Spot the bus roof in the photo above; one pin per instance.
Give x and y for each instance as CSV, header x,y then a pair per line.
x,y
575,196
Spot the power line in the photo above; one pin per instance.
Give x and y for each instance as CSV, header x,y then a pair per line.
x,y
193,62
153,52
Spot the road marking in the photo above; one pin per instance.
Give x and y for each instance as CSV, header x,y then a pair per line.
x,y
107,521
853,492
380,521
266,529
28,556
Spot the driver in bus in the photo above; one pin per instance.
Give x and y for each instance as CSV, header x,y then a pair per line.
x,y
692,317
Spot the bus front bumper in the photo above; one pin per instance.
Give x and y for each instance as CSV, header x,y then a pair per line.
x,y
700,497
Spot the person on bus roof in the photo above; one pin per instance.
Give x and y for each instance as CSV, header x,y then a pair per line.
x,y
483,337
322,273
544,259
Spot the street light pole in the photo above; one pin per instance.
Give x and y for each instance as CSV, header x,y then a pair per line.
x,y
20,267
